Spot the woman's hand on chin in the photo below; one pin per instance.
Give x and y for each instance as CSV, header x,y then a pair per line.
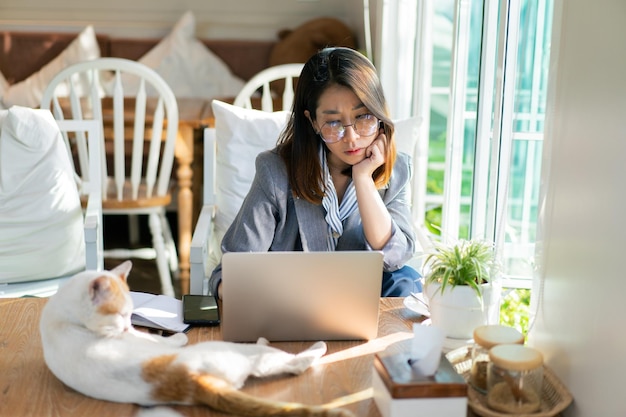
x,y
374,157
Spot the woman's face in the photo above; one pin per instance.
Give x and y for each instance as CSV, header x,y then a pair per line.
x,y
340,105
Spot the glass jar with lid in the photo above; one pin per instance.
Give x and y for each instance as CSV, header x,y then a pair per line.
x,y
514,379
486,337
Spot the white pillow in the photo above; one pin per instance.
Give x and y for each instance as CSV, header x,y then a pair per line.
x,y
408,140
41,220
28,92
406,135
187,65
241,135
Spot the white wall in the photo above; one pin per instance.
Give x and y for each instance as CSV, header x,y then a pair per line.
x,y
581,250
239,19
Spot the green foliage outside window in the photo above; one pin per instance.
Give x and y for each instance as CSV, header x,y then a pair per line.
x,y
515,308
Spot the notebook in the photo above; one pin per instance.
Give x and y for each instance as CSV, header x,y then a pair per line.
x,y
293,296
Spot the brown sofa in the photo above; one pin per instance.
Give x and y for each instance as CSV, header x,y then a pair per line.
x,y
24,53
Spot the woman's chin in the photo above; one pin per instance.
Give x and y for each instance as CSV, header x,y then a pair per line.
x,y
355,158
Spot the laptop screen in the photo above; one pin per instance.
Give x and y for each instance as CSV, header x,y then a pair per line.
x,y
291,296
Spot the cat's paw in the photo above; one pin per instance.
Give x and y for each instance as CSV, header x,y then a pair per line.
x,y
157,412
303,360
177,339
262,341
317,350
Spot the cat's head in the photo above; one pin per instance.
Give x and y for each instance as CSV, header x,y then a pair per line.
x,y
97,300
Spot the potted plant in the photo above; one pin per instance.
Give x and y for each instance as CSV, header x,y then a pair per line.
x,y
461,286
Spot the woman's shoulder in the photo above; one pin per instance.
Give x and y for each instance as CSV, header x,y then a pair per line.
x,y
403,158
403,164
269,157
271,171
270,162
268,154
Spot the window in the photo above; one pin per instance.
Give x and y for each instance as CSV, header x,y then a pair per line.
x,y
477,73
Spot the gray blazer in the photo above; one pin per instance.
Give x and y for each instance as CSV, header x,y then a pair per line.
x,y
270,219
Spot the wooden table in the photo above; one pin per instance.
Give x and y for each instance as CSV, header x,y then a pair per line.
x,y
342,378
194,115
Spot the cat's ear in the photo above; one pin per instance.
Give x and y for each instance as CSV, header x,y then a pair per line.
x,y
122,270
99,288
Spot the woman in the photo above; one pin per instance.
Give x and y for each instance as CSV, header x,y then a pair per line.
x,y
334,181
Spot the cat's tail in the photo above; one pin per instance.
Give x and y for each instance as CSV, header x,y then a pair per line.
x,y
221,396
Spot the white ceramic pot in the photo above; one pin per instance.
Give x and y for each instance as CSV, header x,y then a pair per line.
x,y
458,310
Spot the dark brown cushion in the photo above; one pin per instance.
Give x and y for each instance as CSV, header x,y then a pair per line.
x,y
24,53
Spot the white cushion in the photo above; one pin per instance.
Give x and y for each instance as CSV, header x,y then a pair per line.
x,y
29,91
241,135
406,134
408,140
187,65
41,220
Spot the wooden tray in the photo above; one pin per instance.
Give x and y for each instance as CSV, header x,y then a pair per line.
x,y
555,396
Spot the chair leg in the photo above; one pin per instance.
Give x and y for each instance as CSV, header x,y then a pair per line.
x,y
133,230
170,245
161,258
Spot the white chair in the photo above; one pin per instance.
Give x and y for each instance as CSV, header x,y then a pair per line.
x,y
90,189
144,187
281,75
49,214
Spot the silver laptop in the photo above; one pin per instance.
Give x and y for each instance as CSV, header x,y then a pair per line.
x,y
292,296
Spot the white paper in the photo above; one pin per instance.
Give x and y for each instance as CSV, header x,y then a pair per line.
x,y
157,311
426,348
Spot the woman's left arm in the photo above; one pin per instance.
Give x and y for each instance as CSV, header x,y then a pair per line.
x,y
388,212
375,217
374,214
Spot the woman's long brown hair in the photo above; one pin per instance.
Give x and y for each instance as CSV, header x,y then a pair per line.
x,y
299,143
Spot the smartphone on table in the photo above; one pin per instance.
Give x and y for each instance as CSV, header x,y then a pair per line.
x,y
200,310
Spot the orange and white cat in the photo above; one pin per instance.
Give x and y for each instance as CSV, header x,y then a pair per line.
x,y
90,344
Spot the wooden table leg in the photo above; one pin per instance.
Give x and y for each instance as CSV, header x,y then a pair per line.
x,y
184,175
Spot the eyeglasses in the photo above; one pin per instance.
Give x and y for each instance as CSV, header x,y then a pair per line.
x,y
364,125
